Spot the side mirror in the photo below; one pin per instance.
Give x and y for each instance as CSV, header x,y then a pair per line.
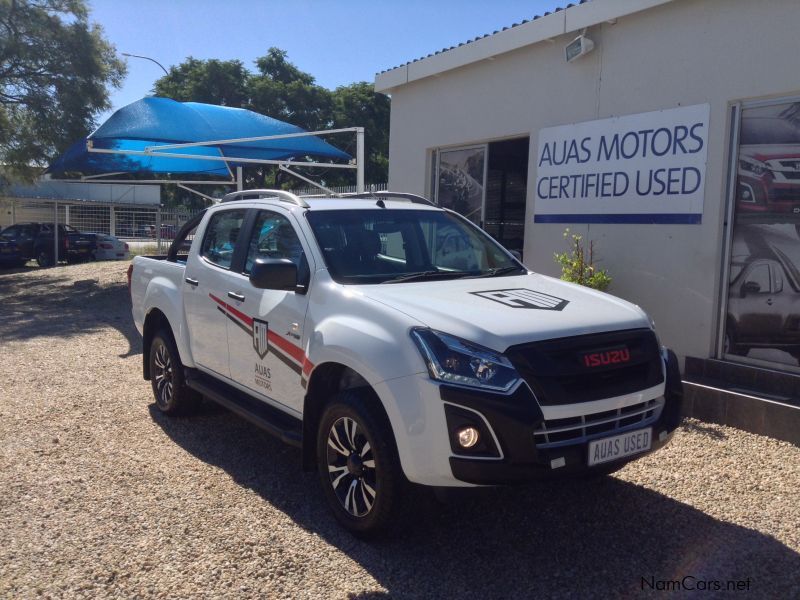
x,y
516,254
274,274
750,287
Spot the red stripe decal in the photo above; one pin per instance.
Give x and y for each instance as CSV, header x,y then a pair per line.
x,y
290,349
307,366
238,314
293,351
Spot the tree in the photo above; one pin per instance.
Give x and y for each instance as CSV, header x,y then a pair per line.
x,y
222,82
359,105
55,73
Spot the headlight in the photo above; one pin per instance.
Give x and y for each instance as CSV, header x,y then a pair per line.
x,y
453,360
756,167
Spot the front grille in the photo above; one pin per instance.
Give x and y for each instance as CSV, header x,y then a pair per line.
x,y
576,430
555,370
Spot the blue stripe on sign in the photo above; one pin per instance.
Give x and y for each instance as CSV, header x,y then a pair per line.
x,y
644,219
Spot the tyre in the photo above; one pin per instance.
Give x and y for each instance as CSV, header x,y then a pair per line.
x,y
358,465
172,395
44,258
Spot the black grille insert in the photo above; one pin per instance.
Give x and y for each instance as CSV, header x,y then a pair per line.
x,y
557,370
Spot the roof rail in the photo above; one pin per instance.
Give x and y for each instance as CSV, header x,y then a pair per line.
x,y
413,198
281,195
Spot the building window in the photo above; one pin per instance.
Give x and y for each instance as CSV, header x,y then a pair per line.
x,y
487,184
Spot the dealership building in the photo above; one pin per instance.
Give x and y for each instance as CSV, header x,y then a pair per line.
x,y
667,132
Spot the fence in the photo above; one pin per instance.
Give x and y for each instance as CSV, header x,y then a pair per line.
x,y
145,228
345,189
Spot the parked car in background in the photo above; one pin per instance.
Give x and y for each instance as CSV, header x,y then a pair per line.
x,y
109,247
10,254
35,241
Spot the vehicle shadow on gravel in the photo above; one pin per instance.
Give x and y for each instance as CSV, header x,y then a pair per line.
x,y
604,537
46,303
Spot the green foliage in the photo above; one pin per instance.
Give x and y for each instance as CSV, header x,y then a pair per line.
x,y
578,268
359,105
281,90
55,70
222,82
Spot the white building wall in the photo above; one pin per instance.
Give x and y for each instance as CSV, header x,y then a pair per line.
x,y
681,53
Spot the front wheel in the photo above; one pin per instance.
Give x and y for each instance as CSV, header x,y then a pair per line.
x,y
357,461
172,395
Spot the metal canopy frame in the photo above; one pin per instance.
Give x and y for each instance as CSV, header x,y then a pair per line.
x,y
238,180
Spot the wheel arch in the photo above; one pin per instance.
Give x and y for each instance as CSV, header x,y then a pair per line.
x,y
153,322
325,381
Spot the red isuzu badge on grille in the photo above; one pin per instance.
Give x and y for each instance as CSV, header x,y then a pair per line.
x,y
611,356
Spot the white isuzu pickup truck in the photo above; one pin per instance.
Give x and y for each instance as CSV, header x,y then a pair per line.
x,y
394,342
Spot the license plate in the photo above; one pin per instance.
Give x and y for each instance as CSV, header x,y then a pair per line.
x,y
6,250
620,446
83,249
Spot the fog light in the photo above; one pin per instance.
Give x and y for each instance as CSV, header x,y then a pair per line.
x,y
468,437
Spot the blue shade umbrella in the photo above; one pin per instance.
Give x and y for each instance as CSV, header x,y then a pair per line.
x,y
152,122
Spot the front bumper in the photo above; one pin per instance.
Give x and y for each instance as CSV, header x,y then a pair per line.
x,y
424,414
514,421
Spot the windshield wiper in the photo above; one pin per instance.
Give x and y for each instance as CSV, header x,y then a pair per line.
x,y
425,275
495,272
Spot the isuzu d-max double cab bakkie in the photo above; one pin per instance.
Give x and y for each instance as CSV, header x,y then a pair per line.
x,y
349,327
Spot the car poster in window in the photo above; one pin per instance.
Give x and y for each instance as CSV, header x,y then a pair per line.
x,y
763,309
460,182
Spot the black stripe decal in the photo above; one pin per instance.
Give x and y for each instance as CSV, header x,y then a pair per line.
x,y
285,359
239,323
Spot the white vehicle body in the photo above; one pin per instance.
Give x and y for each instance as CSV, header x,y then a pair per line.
x,y
110,247
279,346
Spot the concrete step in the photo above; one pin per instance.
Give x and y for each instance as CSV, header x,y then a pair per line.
x,y
770,414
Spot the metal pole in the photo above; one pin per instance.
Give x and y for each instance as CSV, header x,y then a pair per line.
x,y
14,211
158,230
360,159
239,179
55,233
147,58
112,221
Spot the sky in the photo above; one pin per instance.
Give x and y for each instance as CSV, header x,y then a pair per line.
x,y
338,42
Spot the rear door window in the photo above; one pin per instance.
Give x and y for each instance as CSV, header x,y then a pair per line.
x,y
221,236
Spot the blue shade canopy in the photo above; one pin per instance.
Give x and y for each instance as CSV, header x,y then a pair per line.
x,y
160,121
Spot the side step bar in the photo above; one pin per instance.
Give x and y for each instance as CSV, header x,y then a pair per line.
x,y
272,420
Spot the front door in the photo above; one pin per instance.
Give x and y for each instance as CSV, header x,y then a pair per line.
x,y
207,281
266,340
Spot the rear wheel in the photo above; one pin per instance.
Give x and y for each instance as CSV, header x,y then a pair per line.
x,y
172,395
44,258
358,465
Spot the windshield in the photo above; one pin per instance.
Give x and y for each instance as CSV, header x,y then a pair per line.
x,y
380,246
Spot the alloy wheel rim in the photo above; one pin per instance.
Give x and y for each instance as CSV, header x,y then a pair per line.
x,y
351,467
163,376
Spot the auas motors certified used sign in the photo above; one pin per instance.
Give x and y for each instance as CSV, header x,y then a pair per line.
x,y
642,168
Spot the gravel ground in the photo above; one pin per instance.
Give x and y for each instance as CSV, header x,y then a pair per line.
x,y
102,496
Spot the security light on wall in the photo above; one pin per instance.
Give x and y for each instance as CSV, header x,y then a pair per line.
x,y
578,47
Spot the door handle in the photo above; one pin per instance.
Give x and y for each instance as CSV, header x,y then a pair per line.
x,y
769,301
191,281
235,296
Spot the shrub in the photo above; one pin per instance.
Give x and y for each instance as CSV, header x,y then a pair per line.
x,y
578,268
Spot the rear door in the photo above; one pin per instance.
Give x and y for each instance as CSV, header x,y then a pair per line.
x,y
207,281
266,340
